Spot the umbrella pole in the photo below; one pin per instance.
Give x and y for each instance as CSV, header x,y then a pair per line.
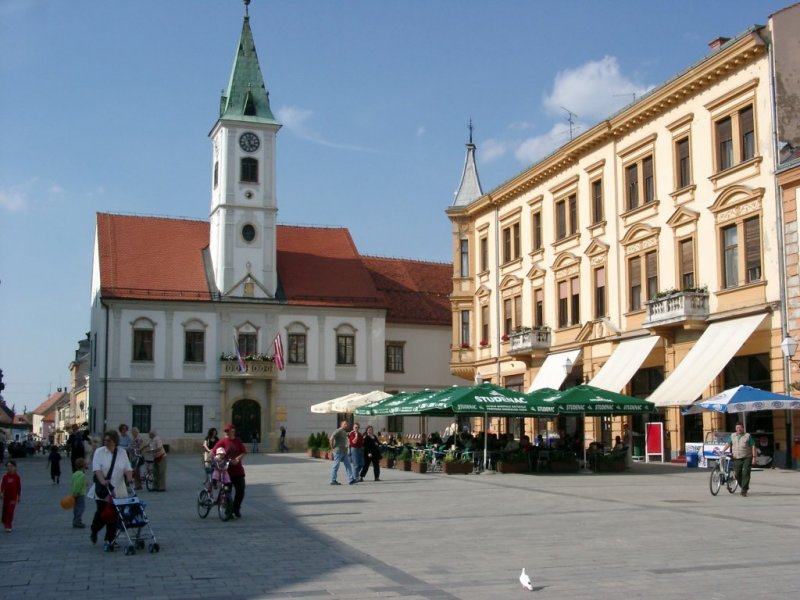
x,y
485,441
586,468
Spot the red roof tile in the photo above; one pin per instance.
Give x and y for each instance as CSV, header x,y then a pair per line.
x,y
48,404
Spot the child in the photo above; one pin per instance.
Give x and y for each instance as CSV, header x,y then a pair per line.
x,y
11,492
220,468
79,491
54,459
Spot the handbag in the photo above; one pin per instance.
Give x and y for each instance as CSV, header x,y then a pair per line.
x,y
109,514
100,490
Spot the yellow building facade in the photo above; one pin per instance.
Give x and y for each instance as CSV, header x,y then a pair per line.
x,y
647,255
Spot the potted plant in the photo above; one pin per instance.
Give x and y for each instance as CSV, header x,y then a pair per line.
x,y
513,462
312,449
403,460
504,337
454,465
419,463
324,445
484,343
387,459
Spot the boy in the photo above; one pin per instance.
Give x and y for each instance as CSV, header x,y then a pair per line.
x,y
79,492
11,493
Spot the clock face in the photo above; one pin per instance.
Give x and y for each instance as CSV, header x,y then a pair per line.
x,y
249,142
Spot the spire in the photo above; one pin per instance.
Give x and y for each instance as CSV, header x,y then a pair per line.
x,y
469,189
246,98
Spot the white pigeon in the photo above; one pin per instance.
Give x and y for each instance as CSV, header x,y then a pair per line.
x,y
525,580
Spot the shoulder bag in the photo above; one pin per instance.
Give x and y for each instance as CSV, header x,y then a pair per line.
x,y
100,490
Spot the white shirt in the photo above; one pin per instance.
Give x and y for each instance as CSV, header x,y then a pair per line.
x,y
102,462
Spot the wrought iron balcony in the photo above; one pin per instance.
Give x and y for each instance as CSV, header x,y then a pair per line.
x,y
527,340
677,308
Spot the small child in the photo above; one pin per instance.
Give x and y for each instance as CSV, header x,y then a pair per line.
x,y
54,460
220,463
79,492
11,493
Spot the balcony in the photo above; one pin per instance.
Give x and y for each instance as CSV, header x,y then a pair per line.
x,y
258,367
686,309
527,340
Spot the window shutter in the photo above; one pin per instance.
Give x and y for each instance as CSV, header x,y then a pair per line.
x,y
752,242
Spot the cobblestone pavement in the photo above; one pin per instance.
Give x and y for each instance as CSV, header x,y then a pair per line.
x,y
652,532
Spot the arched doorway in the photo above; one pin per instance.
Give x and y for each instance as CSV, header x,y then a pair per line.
x,y
246,417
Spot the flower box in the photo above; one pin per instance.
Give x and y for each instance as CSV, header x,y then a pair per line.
x,y
403,465
457,468
505,466
419,467
387,462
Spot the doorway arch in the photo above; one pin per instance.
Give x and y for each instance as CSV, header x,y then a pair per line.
x,y
246,417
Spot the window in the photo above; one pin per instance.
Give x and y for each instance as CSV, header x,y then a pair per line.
x,y
566,217
686,264
394,357
735,138
484,254
635,281
537,230
140,417
511,243
568,302
741,266
508,323
345,350
249,170
683,163
465,328
194,346
538,307
216,173
193,418
297,348
142,343
599,292
248,343
485,323
597,201
636,194
464,258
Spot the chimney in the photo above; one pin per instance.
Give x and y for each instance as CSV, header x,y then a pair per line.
x,y
718,43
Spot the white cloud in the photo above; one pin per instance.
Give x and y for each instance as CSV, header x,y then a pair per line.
x,y
13,200
56,189
421,130
298,121
537,147
592,91
493,149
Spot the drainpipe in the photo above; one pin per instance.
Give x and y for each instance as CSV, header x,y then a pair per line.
x,y
105,372
781,246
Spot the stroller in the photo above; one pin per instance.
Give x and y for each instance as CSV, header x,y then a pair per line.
x,y
132,522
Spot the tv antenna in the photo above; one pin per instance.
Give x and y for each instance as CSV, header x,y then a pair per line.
x,y
571,120
633,94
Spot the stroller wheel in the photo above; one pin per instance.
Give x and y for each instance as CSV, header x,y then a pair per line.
x,y
140,544
157,547
130,551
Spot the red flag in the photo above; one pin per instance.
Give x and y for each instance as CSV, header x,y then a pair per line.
x,y
277,346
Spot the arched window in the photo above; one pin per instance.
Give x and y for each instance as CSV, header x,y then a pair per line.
x,y
143,340
345,345
194,341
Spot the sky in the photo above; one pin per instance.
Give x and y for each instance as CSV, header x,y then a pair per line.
x,y
106,106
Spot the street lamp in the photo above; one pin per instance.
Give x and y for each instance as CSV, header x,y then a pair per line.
x,y
788,347
568,366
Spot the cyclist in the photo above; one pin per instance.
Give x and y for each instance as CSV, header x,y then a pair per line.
x,y
743,448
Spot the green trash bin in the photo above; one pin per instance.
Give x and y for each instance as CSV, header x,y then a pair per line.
x,y
638,445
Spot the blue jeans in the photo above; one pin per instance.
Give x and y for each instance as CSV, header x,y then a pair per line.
x,y
341,458
357,458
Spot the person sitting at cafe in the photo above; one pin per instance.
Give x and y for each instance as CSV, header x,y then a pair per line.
x,y
619,447
525,443
511,444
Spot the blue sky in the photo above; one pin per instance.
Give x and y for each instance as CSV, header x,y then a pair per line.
x,y
106,107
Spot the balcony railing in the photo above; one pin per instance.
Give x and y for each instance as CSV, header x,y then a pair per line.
x,y
259,369
527,340
677,308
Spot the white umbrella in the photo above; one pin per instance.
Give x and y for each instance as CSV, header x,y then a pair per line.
x,y
328,406
347,404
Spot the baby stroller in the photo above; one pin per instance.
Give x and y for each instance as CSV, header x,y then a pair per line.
x,y
132,522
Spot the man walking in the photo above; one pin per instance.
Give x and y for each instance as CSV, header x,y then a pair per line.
x,y
75,445
356,440
743,448
339,442
234,451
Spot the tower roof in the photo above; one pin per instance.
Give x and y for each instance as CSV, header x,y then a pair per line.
x,y
246,98
469,189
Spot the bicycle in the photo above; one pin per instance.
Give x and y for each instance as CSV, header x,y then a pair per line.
x,y
215,492
723,473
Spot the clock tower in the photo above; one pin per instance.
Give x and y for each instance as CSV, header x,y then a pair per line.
x,y
243,195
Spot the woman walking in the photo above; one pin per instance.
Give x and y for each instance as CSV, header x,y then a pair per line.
x,y
112,474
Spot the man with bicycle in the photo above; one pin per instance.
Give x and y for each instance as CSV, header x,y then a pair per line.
x,y
743,448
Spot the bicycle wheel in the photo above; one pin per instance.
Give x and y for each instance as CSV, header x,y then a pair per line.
x,y
225,505
731,482
716,480
203,504
148,481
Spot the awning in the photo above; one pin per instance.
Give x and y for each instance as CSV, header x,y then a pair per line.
x,y
704,361
552,374
327,406
623,363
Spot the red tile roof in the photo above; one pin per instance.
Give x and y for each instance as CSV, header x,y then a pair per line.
x,y
50,403
159,258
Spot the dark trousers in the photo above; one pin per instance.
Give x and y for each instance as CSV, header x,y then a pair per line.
x,y
98,523
238,492
375,460
741,468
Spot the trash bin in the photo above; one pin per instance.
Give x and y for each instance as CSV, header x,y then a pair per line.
x,y
692,460
638,445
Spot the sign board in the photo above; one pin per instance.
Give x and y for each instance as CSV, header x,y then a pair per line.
x,y
654,441
280,413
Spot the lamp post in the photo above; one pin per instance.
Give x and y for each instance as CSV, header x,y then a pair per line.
x,y
788,347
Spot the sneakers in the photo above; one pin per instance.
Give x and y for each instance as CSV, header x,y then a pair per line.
x,y
377,479
361,480
237,515
353,481
108,547
78,525
335,483
8,529
744,493
93,537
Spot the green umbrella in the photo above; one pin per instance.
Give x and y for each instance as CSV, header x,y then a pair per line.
x,y
593,401
399,404
486,398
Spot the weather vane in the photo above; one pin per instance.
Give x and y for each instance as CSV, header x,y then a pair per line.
x,y
246,4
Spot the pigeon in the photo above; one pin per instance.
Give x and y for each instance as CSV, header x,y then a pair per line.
x,y
525,580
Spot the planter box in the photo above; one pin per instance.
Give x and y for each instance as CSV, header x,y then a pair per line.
x,y
611,466
419,467
457,468
563,466
387,463
312,453
504,466
403,465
